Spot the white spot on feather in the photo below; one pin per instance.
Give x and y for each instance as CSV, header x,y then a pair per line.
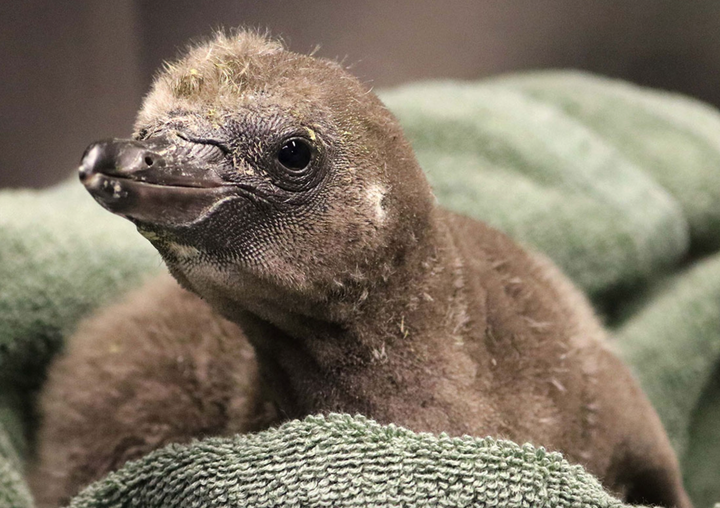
x,y
375,195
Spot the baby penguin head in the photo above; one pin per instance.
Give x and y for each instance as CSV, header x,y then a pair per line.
x,y
254,163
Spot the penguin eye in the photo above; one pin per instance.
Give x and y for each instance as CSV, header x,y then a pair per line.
x,y
295,154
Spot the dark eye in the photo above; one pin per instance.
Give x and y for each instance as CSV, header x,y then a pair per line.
x,y
295,154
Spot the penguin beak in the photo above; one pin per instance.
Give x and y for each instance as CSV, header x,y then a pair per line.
x,y
156,181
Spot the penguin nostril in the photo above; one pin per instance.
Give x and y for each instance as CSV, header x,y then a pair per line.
x,y
84,173
148,160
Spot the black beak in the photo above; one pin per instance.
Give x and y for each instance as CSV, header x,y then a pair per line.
x,y
157,181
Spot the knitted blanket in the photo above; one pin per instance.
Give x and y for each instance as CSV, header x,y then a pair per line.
x,y
617,184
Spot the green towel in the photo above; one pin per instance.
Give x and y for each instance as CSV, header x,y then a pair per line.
x,y
618,184
703,450
660,131
673,340
13,490
61,255
341,461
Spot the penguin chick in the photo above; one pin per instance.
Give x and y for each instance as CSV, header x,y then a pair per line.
x,y
280,189
158,367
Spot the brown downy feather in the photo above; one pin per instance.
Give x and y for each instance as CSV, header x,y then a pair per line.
x,y
159,367
358,295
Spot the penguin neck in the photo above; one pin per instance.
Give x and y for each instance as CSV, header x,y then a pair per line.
x,y
384,339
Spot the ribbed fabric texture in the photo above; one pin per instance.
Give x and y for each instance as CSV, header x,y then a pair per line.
x,y
344,461
619,185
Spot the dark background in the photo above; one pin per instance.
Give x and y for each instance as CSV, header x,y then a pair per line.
x,y
76,71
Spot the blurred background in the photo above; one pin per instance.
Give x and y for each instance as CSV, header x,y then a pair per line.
x,y
76,71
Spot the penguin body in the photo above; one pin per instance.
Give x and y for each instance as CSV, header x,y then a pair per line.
x,y
280,190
